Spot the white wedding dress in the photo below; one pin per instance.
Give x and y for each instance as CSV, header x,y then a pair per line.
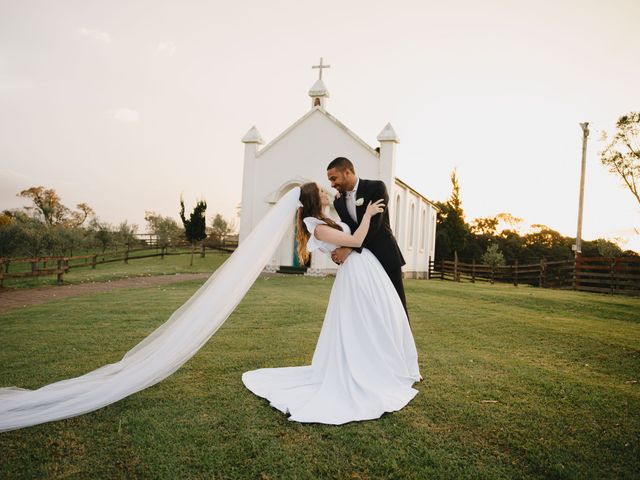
x,y
365,361
165,349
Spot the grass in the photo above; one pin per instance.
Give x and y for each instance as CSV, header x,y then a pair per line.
x,y
519,383
171,264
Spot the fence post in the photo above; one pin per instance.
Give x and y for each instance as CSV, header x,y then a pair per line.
x,y
60,270
34,266
493,274
93,261
515,273
576,271
442,269
455,267
429,267
541,278
612,277
473,271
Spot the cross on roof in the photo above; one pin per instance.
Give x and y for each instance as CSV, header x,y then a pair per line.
x,y
321,66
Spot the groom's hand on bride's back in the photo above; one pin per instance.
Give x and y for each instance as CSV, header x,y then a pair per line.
x,y
340,254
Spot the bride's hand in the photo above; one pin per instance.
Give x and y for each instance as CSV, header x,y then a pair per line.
x,y
375,207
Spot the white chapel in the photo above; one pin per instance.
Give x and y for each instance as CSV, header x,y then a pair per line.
x,y
301,154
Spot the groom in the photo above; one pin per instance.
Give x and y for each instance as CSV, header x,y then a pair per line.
x,y
351,203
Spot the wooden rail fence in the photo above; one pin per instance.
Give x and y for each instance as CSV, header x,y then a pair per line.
x,y
11,268
592,274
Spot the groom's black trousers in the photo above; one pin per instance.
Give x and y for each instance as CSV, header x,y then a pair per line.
x,y
396,279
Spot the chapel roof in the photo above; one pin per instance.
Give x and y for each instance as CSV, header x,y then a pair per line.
x,y
322,111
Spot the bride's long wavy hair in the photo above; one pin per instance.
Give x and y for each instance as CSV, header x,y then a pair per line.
x,y
311,207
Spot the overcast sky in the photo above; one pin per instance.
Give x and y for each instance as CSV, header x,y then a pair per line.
x,y
127,104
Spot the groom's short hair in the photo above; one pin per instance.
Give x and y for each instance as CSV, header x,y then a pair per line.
x,y
341,164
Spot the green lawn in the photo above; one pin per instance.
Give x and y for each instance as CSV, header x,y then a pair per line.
x,y
519,383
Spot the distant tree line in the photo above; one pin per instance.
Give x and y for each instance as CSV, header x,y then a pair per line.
x,y
49,228
483,242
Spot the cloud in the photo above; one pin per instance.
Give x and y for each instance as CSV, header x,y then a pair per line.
x,y
166,48
95,34
125,115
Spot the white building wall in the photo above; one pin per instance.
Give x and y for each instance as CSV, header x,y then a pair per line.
x,y
417,252
301,154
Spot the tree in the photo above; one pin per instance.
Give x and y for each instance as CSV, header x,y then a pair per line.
x,y
195,227
512,222
25,235
63,240
126,234
607,248
622,154
6,218
48,207
33,237
10,235
220,227
484,226
452,232
166,229
101,232
542,241
493,256
455,201
46,203
76,219
512,245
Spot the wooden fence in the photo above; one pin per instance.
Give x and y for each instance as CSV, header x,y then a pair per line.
x,y
45,266
592,274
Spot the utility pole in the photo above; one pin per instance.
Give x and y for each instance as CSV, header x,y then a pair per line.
x,y
585,135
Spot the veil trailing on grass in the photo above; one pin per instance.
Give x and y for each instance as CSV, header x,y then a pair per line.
x,y
167,348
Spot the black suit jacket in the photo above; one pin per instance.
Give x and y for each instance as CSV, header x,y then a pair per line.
x,y
379,240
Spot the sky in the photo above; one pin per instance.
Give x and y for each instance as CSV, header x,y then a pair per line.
x,y
126,105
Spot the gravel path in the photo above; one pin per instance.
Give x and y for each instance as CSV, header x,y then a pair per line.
x,y
24,297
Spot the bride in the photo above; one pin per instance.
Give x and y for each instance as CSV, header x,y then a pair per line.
x,y
365,361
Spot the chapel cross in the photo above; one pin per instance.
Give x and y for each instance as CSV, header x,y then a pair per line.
x,y
321,66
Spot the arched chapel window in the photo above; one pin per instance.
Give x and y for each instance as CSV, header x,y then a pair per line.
x,y
423,228
412,223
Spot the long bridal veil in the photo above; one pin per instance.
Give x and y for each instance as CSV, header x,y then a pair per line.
x,y
167,348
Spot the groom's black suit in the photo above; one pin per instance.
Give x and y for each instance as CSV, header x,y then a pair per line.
x,y
379,240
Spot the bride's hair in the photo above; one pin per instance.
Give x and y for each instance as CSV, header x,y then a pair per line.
x,y
311,207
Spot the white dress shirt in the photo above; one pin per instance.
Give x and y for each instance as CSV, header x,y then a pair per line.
x,y
351,201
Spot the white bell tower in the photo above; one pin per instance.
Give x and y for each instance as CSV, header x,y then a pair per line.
x,y
318,92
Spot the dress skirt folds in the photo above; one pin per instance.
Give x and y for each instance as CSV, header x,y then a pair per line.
x,y
365,361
